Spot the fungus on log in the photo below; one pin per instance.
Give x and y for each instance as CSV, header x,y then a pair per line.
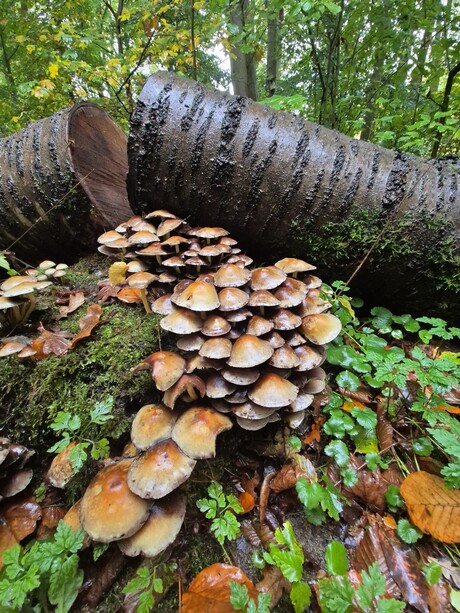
x,y
62,181
287,187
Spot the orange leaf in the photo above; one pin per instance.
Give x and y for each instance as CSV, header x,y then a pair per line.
x,y
246,500
76,299
448,408
130,295
313,435
209,592
50,342
432,507
349,405
88,323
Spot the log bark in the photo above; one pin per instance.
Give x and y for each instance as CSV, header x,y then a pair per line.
x,y
285,186
62,182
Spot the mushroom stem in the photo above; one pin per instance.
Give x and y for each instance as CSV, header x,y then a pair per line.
x,y
145,302
191,393
30,306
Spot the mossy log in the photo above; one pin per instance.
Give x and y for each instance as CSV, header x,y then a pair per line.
x,y
284,186
62,182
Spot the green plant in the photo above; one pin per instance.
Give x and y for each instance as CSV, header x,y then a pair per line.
x,y
43,572
147,585
221,508
73,430
338,595
288,556
240,601
319,498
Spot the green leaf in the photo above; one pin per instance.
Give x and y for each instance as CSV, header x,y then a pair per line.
x,y
349,476
336,595
101,413
382,319
100,449
390,605
207,506
78,455
215,491
310,494
65,421
365,417
300,596
336,558
339,424
295,444
157,585
455,599
140,582
234,504
289,563
348,380
225,527
407,532
339,451
432,572
373,585
393,498
65,584
422,446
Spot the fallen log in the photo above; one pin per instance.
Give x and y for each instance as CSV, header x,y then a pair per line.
x,y
62,182
284,186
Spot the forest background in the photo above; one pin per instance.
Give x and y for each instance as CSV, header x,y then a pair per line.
x,y
379,70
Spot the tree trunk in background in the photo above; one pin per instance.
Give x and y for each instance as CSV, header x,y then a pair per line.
x,y
243,66
62,182
283,186
272,50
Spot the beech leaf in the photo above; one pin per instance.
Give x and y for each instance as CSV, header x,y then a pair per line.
x,y
432,507
76,299
88,323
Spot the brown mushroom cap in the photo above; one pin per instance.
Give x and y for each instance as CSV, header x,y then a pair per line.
x,y
293,265
190,342
321,328
294,419
267,278
232,299
182,321
142,237
15,482
27,287
289,294
13,347
168,225
196,430
302,402
208,232
163,305
271,390
263,298
109,237
248,351
250,410
141,280
275,339
161,213
158,471
313,304
188,387
153,249
167,367
259,325
239,315
230,275
284,357
284,319
218,387
198,296
312,281
214,325
310,357
153,423
240,376
160,530
216,348
109,510
252,424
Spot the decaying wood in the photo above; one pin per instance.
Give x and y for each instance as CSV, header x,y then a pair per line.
x,y
282,185
62,181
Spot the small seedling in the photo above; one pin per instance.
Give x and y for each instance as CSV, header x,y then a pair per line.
x,y
148,586
240,601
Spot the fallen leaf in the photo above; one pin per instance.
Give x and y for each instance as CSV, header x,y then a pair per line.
x,y
247,501
7,540
50,342
130,295
384,428
117,273
76,299
88,323
448,409
61,470
99,578
432,507
314,435
349,405
22,517
273,583
50,518
449,571
106,291
209,592
370,488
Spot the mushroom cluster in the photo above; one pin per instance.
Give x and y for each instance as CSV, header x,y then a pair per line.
x,y
162,249
135,500
253,341
14,478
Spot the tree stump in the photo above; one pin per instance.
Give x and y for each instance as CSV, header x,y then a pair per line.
x,y
62,182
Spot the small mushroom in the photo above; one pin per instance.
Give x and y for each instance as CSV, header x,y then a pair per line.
x,y
141,280
189,387
166,368
159,531
267,278
294,266
271,390
214,325
321,328
230,275
248,351
216,348
153,423
158,471
198,296
182,321
196,430
109,510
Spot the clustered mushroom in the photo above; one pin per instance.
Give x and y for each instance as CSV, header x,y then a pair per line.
x,y
14,478
135,500
161,249
253,341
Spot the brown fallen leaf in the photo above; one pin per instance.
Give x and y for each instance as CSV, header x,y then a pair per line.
x,y
76,299
432,507
61,470
50,518
370,487
273,583
107,291
209,592
384,427
88,323
22,517
7,540
247,501
50,342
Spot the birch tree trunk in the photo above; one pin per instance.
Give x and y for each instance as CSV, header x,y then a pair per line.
x,y
285,186
62,182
